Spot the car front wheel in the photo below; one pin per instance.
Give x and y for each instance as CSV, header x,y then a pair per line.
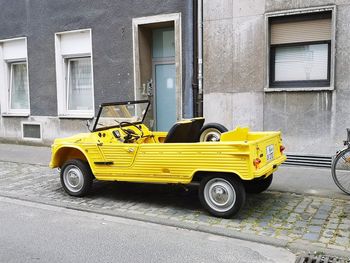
x,y
221,195
76,177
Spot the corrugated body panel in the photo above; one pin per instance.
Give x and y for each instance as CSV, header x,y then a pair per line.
x,y
94,154
177,162
121,155
301,31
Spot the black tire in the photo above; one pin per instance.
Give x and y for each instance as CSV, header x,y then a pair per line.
x,y
211,132
258,185
222,184
76,177
341,170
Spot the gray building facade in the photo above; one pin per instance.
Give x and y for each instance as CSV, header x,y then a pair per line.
x,y
61,59
280,65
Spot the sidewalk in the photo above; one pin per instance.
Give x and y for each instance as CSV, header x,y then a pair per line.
x,y
301,211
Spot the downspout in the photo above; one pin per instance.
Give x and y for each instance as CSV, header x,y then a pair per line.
x,y
199,99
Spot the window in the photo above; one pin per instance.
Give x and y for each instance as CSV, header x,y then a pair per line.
x,y
14,89
79,84
300,50
19,92
75,93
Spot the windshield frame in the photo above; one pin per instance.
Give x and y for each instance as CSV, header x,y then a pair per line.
x,y
119,103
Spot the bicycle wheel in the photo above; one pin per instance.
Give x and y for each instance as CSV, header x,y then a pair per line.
x,y
341,170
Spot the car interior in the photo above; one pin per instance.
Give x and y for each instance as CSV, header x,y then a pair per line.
x,y
185,131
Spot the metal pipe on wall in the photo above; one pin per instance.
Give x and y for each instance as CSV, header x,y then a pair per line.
x,y
199,99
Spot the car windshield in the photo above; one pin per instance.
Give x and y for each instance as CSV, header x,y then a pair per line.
x,y
112,114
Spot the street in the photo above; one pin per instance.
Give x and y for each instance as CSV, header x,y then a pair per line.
x,y
32,232
288,220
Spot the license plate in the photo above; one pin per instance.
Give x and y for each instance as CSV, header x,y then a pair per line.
x,y
269,152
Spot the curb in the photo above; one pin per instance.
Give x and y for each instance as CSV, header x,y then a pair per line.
x,y
296,247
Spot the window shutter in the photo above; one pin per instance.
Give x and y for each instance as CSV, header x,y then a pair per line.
x,y
301,31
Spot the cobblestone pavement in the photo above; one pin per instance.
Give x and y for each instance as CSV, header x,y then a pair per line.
x,y
284,217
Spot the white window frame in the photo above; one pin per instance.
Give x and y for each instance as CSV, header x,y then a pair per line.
x,y
301,11
62,78
6,84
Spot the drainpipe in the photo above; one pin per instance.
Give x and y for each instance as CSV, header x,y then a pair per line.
x,y
199,99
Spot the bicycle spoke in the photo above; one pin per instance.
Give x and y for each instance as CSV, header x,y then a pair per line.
x,y
341,171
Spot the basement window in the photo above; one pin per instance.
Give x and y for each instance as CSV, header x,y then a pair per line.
x,y
31,131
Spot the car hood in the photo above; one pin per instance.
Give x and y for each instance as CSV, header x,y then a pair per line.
x,y
78,138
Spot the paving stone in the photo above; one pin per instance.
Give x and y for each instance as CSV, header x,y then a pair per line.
x,y
340,247
315,229
344,227
300,224
317,221
311,236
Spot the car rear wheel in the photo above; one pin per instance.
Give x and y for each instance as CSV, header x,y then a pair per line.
x,y
258,186
76,177
221,195
211,132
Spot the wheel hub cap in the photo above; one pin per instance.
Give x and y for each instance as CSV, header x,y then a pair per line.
x,y
219,194
73,178
210,135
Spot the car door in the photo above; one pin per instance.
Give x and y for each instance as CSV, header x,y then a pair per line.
x,y
118,157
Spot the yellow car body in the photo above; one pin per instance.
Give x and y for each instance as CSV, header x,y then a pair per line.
x,y
149,160
119,150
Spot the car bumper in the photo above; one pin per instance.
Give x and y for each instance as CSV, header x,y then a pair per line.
x,y
269,168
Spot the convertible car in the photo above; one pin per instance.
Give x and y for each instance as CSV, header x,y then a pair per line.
x,y
120,147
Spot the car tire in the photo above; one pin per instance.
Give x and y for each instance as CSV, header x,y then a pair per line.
x,y
211,132
222,195
76,177
258,186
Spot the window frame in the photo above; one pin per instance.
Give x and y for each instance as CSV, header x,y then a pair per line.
x,y
5,72
298,83
62,78
10,65
314,12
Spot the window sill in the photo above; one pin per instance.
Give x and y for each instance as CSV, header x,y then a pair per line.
x,y
294,89
80,116
15,114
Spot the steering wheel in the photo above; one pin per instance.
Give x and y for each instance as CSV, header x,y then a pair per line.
x,y
131,133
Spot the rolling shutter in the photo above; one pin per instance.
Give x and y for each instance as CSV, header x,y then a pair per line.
x,y
301,31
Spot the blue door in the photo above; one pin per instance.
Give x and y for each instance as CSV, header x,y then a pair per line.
x,y
165,96
164,73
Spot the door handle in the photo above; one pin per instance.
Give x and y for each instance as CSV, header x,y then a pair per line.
x,y
131,150
99,143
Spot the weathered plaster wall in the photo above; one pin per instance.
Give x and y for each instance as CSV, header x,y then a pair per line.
x,y
111,24
235,65
234,62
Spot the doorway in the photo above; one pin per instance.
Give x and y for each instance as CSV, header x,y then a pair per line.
x,y
157,68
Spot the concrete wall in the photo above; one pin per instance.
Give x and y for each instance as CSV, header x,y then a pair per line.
x,y
111,24
235,77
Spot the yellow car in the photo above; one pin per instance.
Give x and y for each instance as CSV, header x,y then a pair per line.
x,y
120,147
